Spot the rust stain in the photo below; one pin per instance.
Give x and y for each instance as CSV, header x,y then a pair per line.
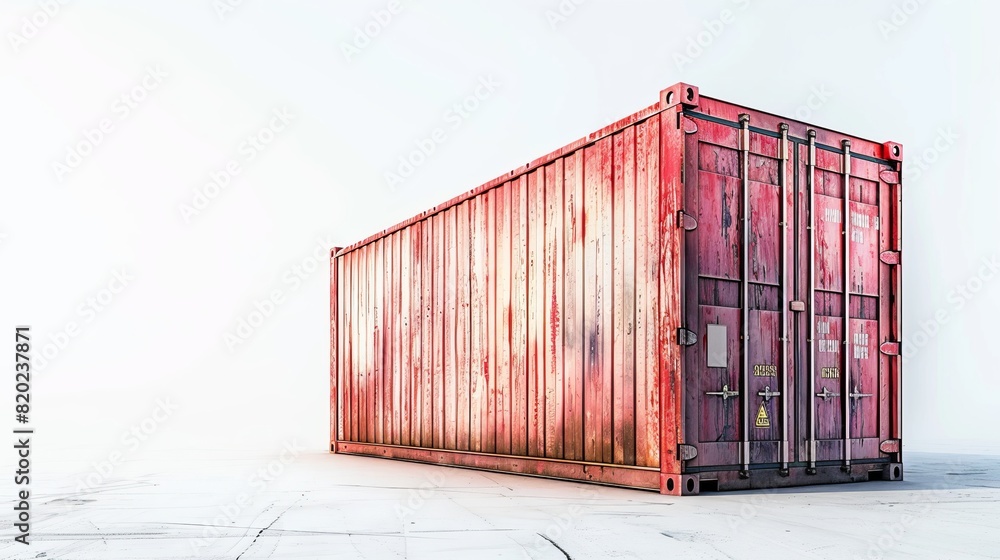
x,y
554,320
727,216
592,358
510,324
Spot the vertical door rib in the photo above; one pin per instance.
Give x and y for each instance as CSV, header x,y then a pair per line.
x,y
811,346
745,296
846,389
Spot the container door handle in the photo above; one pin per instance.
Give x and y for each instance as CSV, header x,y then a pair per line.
x,y
767,393
858,395
827,394
725,393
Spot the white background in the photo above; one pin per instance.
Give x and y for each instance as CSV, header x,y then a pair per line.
x,y
562,72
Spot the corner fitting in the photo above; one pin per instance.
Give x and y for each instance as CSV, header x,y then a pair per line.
x,y
680,93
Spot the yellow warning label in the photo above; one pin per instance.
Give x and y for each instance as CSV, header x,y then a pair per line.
x,y
762,420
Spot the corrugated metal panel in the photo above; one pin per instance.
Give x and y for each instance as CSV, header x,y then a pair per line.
x,y
514,355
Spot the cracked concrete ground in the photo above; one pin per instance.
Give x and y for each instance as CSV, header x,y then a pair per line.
x,y
316,505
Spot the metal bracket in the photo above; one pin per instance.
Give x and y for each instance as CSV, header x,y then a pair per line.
x,y
889,176
689,125
889,348
890,446
686,337
891,258
686,221
725,393
686,452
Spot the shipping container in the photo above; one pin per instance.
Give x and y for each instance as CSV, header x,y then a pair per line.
x,y
700,296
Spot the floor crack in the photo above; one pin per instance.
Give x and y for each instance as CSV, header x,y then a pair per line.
x,y
553,543
261,532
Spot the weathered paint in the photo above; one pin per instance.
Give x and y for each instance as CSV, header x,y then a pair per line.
x,y
531,325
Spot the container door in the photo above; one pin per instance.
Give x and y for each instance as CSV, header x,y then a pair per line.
x,y
790,322
738,269
848,202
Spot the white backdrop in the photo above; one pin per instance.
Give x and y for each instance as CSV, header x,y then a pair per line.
x,y
168,168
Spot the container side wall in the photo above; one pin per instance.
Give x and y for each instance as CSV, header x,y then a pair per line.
x,y
523,321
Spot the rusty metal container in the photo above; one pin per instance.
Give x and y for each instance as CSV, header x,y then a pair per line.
x,y
700,296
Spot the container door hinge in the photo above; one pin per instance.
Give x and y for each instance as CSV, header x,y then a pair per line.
x,y
890,446
686,221
686,452
891,258
889,348
686,337
889,176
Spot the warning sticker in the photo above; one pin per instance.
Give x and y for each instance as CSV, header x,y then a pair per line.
x,y
762,420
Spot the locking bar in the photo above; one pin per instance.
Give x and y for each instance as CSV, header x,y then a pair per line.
x,y
811,346
784,393
745,296
846,328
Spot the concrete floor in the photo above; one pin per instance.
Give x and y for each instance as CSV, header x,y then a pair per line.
x,y
313,505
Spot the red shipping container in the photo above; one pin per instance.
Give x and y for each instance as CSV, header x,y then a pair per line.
x,y
699,296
